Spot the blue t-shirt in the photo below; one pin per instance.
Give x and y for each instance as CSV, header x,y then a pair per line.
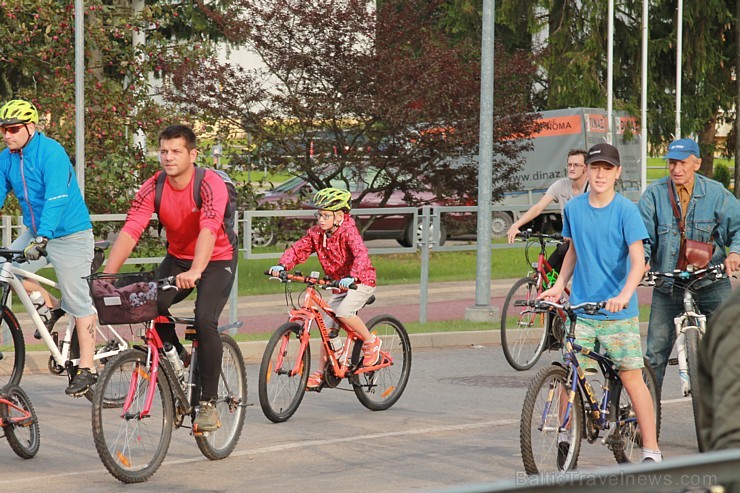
x,y
601,237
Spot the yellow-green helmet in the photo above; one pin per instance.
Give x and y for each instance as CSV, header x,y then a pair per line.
x,y
332,199
18,111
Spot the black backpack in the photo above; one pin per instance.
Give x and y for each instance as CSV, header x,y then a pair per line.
x,y
200,173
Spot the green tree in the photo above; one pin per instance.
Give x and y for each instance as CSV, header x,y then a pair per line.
x,y
348,88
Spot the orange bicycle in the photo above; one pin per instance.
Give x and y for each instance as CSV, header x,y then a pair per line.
x,y
19,422
286,362
525,331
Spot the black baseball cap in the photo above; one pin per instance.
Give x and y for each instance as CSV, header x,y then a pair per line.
x,y
605,153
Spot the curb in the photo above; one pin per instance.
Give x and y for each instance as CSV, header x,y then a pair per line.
x,y
37,361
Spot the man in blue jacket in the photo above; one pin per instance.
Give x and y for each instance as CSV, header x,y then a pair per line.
x,y
38,170
711,214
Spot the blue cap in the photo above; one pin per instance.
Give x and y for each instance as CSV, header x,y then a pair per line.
x,y
682,148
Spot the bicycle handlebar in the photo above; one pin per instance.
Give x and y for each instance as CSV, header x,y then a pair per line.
x,y
14,255
527,234
717,271
589,307
325,283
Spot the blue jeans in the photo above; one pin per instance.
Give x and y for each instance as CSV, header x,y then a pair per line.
x,y
665,307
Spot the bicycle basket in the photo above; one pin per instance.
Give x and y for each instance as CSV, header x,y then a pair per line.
x,y
125,298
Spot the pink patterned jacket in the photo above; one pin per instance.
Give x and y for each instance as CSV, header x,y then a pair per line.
x,y
341,254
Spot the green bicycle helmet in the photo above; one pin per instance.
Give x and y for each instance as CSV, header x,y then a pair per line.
x,y
18,111
332,199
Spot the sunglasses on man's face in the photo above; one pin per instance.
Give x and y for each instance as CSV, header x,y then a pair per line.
x,y
11,130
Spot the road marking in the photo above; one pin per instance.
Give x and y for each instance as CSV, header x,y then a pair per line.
x,y
288,446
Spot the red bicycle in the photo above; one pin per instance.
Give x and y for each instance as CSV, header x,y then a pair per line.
x,y
144,392
286,363
19,422
526,331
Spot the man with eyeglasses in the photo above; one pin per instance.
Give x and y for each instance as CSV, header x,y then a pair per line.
x,y
710,214
560,192
39,172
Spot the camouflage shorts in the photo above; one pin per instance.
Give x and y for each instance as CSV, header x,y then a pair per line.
x,y
619,338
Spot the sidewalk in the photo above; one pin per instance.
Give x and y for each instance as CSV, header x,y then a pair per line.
x,y
447,301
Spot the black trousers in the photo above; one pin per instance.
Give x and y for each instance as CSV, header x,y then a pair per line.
x,y
213,290
558,255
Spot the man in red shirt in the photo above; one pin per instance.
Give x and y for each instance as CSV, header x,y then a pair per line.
x,y
198,251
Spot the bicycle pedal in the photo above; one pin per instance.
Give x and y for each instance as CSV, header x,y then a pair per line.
x,y
672,361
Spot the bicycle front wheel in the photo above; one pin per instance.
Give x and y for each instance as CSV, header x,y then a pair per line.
x,y
692,363
628,444
231,403
283,373
380,389
549,444
131,444
523,329
24,437
12,349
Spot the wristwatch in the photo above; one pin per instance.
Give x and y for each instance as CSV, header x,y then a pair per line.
x,y
40,239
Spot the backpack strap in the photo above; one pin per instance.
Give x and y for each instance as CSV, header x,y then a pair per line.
x,y
161,177
200,173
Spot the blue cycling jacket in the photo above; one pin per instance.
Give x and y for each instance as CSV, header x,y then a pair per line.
x,y
42,178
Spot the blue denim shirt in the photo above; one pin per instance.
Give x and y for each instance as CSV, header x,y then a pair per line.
x,y
713,215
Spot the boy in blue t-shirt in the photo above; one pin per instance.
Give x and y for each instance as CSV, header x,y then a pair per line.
x,y
606,261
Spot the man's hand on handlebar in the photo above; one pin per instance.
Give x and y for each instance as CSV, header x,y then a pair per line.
x,y
553,294
511,233
732,263
617,303
188,279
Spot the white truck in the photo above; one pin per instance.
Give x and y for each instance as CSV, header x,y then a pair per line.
x,y
563,130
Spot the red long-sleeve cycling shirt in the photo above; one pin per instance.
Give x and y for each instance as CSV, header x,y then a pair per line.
x,y
341,254
181,219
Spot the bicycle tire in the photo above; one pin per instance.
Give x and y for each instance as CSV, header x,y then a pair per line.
x,y
231,403
517,336
12,349
281,393
692,364
380,389
132,448
540,440
630,447
24,438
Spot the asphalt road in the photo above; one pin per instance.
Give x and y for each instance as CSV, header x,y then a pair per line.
x,y
457,423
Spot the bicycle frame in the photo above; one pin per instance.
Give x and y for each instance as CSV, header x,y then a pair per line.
x,y
10,281
599,408
25,419
309,312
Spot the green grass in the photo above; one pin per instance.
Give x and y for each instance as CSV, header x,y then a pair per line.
x,y
658,167
396,269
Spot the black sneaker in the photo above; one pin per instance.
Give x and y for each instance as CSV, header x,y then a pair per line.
x,y
563,449
81,382
56,314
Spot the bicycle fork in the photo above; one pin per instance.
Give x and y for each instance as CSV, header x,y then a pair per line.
x,y
681,324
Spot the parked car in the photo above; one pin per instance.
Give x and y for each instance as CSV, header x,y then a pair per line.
x,y
295,192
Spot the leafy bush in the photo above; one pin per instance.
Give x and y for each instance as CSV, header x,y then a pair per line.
x,y
722,175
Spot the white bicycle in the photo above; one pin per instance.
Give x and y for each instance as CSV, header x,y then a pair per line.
x,y
63,346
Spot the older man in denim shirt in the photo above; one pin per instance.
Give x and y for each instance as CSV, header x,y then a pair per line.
x,y
711,214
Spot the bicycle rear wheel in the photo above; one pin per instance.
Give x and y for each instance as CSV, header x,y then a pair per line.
x,y
628,444
231,403
12,349
132,446
24,438
281,390
540,436
523,330
380,389
692,363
